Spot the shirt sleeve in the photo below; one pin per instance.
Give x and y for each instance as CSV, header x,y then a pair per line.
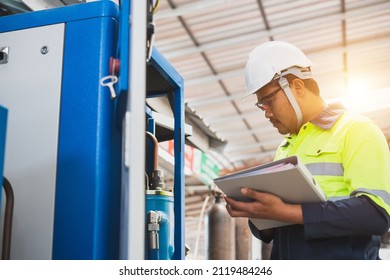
x,y
351,216
366,162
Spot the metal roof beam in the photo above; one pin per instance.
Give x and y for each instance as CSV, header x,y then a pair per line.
x,y
232,134
260,144
189,8
356,14
216,77
214,120
257,156
352,47
192,102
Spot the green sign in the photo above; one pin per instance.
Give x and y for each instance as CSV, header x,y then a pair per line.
x,y
209,169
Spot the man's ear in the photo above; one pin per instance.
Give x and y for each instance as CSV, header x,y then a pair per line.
x,y
299,86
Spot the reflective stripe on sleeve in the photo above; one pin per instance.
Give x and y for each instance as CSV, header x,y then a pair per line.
x,y
380,193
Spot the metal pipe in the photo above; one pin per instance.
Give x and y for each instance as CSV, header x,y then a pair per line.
x,y
157,181
9,209
155,143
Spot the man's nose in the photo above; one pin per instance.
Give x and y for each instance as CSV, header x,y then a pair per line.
x,y
268,113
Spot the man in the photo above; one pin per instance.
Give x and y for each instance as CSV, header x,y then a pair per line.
x,y
346,153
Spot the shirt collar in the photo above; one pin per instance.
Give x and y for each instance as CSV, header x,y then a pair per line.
x,y
327,118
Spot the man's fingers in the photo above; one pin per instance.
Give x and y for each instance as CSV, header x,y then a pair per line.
x,y
238,208
236,213
239,205
252,194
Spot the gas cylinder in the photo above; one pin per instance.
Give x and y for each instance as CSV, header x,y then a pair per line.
x,y
243,239
221,229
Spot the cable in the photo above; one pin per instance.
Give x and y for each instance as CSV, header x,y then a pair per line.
x,y
9,209
155,8
146,181
200,226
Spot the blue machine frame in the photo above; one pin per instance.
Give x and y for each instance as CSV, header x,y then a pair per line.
x,y
87,213
176,84
3,131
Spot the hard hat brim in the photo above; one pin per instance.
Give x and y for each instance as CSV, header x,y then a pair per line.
x,y
247,95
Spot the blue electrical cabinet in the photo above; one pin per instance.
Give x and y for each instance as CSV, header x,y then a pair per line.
x,y
64,152
64,131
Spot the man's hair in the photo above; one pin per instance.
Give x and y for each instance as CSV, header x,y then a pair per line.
x,y
310,84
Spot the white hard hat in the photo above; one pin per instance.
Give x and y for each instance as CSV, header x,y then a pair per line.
x,y
274,58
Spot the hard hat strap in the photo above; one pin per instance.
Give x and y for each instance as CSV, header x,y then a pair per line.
x,y
286,88
301,73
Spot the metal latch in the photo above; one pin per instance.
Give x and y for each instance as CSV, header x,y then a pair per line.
x,y
4,52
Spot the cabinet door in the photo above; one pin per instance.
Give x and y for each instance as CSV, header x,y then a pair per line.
x,y
30,88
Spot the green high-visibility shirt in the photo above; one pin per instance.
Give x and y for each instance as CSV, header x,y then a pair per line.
x,y
346,153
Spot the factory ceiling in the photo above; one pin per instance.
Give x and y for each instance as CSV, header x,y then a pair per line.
x,y
208,43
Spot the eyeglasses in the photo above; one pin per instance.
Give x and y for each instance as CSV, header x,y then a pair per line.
x,y
266,102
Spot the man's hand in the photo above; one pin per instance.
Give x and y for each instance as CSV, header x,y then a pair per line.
x,y
264,206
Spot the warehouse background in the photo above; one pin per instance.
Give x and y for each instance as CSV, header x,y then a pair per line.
x,y
208,43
